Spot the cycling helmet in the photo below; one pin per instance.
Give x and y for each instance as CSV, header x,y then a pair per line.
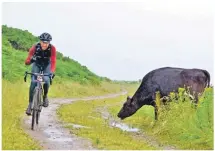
x,y
45,37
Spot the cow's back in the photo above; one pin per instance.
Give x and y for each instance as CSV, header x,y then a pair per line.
x,y
165,80
196,79
169,79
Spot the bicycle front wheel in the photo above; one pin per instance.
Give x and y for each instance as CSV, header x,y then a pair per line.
x,y
34,108
39,103
33,119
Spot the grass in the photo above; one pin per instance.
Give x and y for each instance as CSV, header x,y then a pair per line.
x,y
15,101
72,89
102,136
180,124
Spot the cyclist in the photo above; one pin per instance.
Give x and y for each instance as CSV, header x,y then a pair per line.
x,y
42,54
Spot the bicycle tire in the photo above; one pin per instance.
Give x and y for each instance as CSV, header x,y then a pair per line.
x,y
39,104
34,108
37,117
33,119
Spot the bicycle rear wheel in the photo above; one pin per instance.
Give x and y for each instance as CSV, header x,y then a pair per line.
x,y
34,108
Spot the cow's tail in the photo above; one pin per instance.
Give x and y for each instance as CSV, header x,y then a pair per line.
x,y
208,77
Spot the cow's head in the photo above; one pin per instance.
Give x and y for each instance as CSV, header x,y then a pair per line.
x,y
128,109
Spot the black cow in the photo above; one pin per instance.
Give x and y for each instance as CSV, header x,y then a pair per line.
x,y
164,80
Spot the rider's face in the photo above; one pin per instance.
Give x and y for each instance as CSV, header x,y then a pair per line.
x,y
44,45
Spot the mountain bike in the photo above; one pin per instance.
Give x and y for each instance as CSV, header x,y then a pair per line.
x,y
36,106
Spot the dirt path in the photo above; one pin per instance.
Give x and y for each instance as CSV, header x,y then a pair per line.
x,y
51,133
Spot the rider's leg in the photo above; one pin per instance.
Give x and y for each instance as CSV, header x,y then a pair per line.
x,y
34,69
46,85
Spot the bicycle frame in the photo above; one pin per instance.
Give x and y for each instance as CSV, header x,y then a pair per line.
x,y
37,106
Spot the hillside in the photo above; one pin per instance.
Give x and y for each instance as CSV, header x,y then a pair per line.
x,y
15,46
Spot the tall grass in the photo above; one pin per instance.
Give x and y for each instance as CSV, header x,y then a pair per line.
x,y
179,123
184,125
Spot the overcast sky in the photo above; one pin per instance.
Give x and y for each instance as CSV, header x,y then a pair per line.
x,y
121,40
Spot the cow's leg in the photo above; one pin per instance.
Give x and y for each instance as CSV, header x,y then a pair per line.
x,y
155,107
196,100
197,89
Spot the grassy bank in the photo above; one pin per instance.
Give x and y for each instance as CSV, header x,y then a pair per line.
x,y
179,124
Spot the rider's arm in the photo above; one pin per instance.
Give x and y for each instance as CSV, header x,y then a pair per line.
x,y
30,54
53,59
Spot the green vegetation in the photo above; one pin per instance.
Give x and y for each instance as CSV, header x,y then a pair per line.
x,y
179,123
14,102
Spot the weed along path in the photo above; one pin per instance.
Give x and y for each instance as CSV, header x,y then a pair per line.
x,y
51,133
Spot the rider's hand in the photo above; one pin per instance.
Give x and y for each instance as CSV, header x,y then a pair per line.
x,y
52,75
33,59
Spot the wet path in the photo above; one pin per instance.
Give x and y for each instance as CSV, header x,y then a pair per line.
x,y
51,133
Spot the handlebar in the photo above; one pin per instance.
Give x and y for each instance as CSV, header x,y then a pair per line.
x,y
36,74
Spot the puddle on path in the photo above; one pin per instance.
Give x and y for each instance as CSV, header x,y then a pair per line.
x,y
76,125
56,135
124,127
